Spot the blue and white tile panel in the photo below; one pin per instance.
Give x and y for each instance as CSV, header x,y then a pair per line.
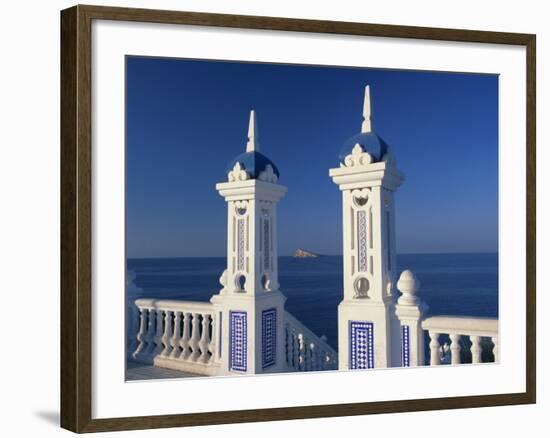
x,y
405,346
361,346
237,340
269,337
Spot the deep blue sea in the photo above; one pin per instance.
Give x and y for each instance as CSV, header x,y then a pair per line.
x,y
457,284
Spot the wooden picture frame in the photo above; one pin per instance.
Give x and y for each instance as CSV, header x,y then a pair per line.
x,y
76,217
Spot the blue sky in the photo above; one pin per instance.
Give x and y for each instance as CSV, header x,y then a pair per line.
x,y
187,119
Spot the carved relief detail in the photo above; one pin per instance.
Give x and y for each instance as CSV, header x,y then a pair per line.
x,y
240,244
237,174
266,243
358,157
268,174
362,240
241,207
360,197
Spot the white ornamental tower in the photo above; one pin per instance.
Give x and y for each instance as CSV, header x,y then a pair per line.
x,y
252,307
368,330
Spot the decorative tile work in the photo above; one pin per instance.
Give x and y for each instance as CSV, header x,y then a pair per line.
x,y
237,341
362,240
361,346
269,337
266,244
405,346
220,335
240,244
388,241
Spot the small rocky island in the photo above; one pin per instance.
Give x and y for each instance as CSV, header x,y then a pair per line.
x,y
303,254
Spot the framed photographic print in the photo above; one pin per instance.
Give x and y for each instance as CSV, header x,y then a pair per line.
x,y
268,218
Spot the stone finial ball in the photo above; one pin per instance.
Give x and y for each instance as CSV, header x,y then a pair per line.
x,y
408,283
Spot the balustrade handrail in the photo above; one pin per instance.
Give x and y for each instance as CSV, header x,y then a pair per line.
x,y
178,305
177,334
291,320
305,351
462,325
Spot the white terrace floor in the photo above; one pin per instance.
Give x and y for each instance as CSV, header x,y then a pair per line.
x,y
138,371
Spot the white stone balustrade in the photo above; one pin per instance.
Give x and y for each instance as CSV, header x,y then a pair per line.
x,y
410,310
305,351
456,327
179,335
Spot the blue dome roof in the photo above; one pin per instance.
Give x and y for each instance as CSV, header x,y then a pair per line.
x,y
253,162
369,141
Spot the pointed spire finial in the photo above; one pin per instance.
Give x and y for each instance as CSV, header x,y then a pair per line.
x,y
253,137
366,126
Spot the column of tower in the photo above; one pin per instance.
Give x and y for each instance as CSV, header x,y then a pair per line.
x,y
368,178
252,307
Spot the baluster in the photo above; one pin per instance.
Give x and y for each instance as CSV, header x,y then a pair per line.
x,y
291,344
205,338
314,357
288,346
325,360
185,336
476,349
195,337
141,336
455,349
321,357
434,348
212,344
306,361
151,328
312,353
301,352
133,320
159,332
495,347
308,354
295,350
176,336
167,334
331,362
318,363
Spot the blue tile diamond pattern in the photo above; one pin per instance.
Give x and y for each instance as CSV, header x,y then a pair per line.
x,y
237,340
406,349
269,337
361,345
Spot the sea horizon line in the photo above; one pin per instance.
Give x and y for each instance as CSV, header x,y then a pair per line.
x,y
319,254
